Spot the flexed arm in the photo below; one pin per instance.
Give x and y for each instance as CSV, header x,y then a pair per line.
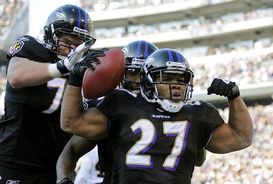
x,y
90,123
238,132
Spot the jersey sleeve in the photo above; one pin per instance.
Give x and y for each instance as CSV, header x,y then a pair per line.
x,y
212,120
108,105
28,47
90,103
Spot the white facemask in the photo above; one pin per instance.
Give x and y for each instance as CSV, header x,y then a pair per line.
x,y
170,106
165,104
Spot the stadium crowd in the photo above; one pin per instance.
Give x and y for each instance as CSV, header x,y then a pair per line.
x,y
104,5
193,27
8,8
232,47
243,70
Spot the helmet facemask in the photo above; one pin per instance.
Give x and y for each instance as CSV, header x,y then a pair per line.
x,y
175,98
67,20
54,42
131,79
135,53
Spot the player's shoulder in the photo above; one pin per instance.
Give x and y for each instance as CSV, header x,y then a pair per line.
x,y
122,93
29,47
200,105
117,98
201,111
22,43
89,103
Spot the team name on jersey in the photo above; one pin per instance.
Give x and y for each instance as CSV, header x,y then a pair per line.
x,y
160,116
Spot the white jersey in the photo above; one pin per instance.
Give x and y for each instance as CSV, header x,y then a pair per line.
x,y
86,168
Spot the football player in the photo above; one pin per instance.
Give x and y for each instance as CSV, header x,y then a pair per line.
x,y
156,135
31,138
135,52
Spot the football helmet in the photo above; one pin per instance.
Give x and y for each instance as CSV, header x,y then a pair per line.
x,y
135,53
68,19
166,62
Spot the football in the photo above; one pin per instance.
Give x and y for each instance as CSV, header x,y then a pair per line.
x,y
106,76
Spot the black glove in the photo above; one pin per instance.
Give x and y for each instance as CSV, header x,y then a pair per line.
x,y
65,181
89,60
224,88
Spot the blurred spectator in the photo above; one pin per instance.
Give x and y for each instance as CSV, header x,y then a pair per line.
x,y
102,5
3,64
8,8
195,27
241,69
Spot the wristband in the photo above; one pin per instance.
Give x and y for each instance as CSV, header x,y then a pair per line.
x,y
53,70
234,93
75,80
61,67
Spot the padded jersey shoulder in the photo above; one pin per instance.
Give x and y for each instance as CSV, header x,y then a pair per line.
x,y
30,48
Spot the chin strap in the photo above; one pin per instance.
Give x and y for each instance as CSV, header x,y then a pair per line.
x,y
170,106
165,104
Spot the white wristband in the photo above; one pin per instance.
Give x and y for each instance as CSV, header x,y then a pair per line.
x,y
53,70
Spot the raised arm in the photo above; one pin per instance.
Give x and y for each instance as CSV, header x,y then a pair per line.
x,y
74,149
90,123
238,132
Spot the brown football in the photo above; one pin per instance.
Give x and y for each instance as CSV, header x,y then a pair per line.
x,y
106,76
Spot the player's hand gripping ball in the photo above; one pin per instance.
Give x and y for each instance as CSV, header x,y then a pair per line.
x,y
106,76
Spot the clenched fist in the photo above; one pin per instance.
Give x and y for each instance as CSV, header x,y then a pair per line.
x,y
224,88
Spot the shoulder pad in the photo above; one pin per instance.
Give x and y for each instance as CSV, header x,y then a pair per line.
x,y
15,47
28,47
201,104
122,90
197,103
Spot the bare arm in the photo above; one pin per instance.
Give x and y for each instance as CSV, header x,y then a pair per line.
x,y
91,123
23,72
235,135
73,150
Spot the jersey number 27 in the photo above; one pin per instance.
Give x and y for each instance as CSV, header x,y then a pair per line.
x,y
136,156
